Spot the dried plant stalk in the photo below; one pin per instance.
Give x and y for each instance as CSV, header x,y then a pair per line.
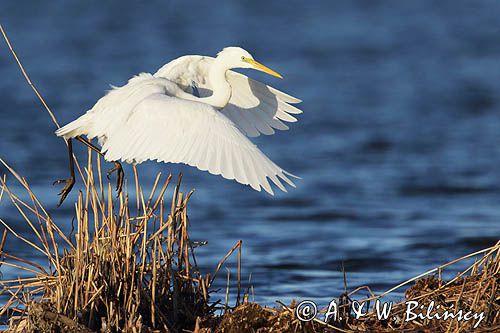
x,y
117,273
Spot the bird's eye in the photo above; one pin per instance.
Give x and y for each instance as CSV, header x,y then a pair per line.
x,y
242,57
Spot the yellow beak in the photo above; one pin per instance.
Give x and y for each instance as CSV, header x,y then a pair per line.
x,y
258,66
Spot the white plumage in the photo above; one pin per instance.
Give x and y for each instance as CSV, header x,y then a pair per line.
x,y
157,117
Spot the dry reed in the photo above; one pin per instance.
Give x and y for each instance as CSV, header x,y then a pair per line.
x,y
475,289
119,272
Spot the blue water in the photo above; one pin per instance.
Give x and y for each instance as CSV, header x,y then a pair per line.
x,y
398,145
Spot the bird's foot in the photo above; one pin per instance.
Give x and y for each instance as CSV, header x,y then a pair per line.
x,y
68,185
119,176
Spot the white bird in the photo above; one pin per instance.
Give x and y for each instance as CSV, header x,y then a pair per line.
x,y
158,117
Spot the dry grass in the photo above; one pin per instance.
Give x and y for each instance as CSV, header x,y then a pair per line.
x,y
119,272
476,289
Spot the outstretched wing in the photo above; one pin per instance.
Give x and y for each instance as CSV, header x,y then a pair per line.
x,y
170,129
254,107
257,108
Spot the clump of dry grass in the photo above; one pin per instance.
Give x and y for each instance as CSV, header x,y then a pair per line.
x,y
476,289
119,272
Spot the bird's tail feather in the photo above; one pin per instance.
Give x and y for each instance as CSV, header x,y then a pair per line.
x,y
75,128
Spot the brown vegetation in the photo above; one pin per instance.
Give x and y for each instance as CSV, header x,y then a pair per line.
x,y
475,289
120,271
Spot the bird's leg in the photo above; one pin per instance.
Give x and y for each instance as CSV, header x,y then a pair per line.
x,y
71,180
118,167
119,175
68,183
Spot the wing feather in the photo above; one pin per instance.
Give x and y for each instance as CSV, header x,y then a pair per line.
x,y
241,119
252,174
265,107
195,134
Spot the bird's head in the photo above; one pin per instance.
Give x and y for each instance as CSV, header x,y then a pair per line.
x,y
236,57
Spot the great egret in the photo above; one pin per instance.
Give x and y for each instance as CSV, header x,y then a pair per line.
x,y
158,117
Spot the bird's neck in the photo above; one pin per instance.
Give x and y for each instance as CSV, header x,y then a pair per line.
x,y
221,89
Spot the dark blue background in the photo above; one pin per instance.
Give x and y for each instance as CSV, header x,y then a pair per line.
x,y
397,145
